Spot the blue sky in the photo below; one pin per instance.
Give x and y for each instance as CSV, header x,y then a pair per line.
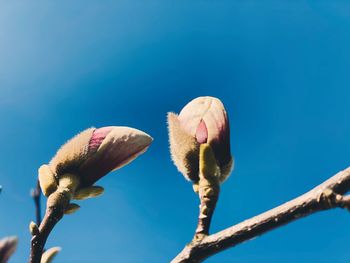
x,y
280,67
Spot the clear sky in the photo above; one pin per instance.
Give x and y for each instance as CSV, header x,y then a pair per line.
x,y
280,67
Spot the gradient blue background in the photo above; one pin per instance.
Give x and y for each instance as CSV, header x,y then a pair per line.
x,y
280,67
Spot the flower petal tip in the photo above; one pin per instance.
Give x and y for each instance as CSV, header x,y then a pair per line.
x,y
120,146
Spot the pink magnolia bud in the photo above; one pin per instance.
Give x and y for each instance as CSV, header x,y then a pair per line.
x,y
95,152
203,120
8,246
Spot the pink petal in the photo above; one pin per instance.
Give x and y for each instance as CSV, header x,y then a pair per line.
x,y
97,138
120,146
202,132
207,109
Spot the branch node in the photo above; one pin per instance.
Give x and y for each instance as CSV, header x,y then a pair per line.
x,y
331,199
328,198
33,229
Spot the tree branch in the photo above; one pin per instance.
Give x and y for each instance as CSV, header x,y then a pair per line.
x,y
325,196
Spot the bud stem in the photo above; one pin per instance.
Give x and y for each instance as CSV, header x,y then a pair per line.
x,y
208,195
208,190
56,204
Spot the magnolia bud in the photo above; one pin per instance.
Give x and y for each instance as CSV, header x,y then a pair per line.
x,y
92,154
203,120
33,228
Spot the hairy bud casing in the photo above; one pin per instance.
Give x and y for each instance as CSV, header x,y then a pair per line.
x,y
203,120
90,155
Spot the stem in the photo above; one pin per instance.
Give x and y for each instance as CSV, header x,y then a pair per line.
x,y
208,195
208,190
56,204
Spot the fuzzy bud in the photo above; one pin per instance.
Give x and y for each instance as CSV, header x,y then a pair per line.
x,y
202,121
33,228
91,155
70,181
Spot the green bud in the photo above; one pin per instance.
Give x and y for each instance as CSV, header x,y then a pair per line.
x,y
33,228
71,208
207,162
88,192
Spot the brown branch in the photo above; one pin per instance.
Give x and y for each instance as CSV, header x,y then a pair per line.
x,y
36,193
325,196
56,205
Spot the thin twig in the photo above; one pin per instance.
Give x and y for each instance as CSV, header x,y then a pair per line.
x,y
325,196
36,193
